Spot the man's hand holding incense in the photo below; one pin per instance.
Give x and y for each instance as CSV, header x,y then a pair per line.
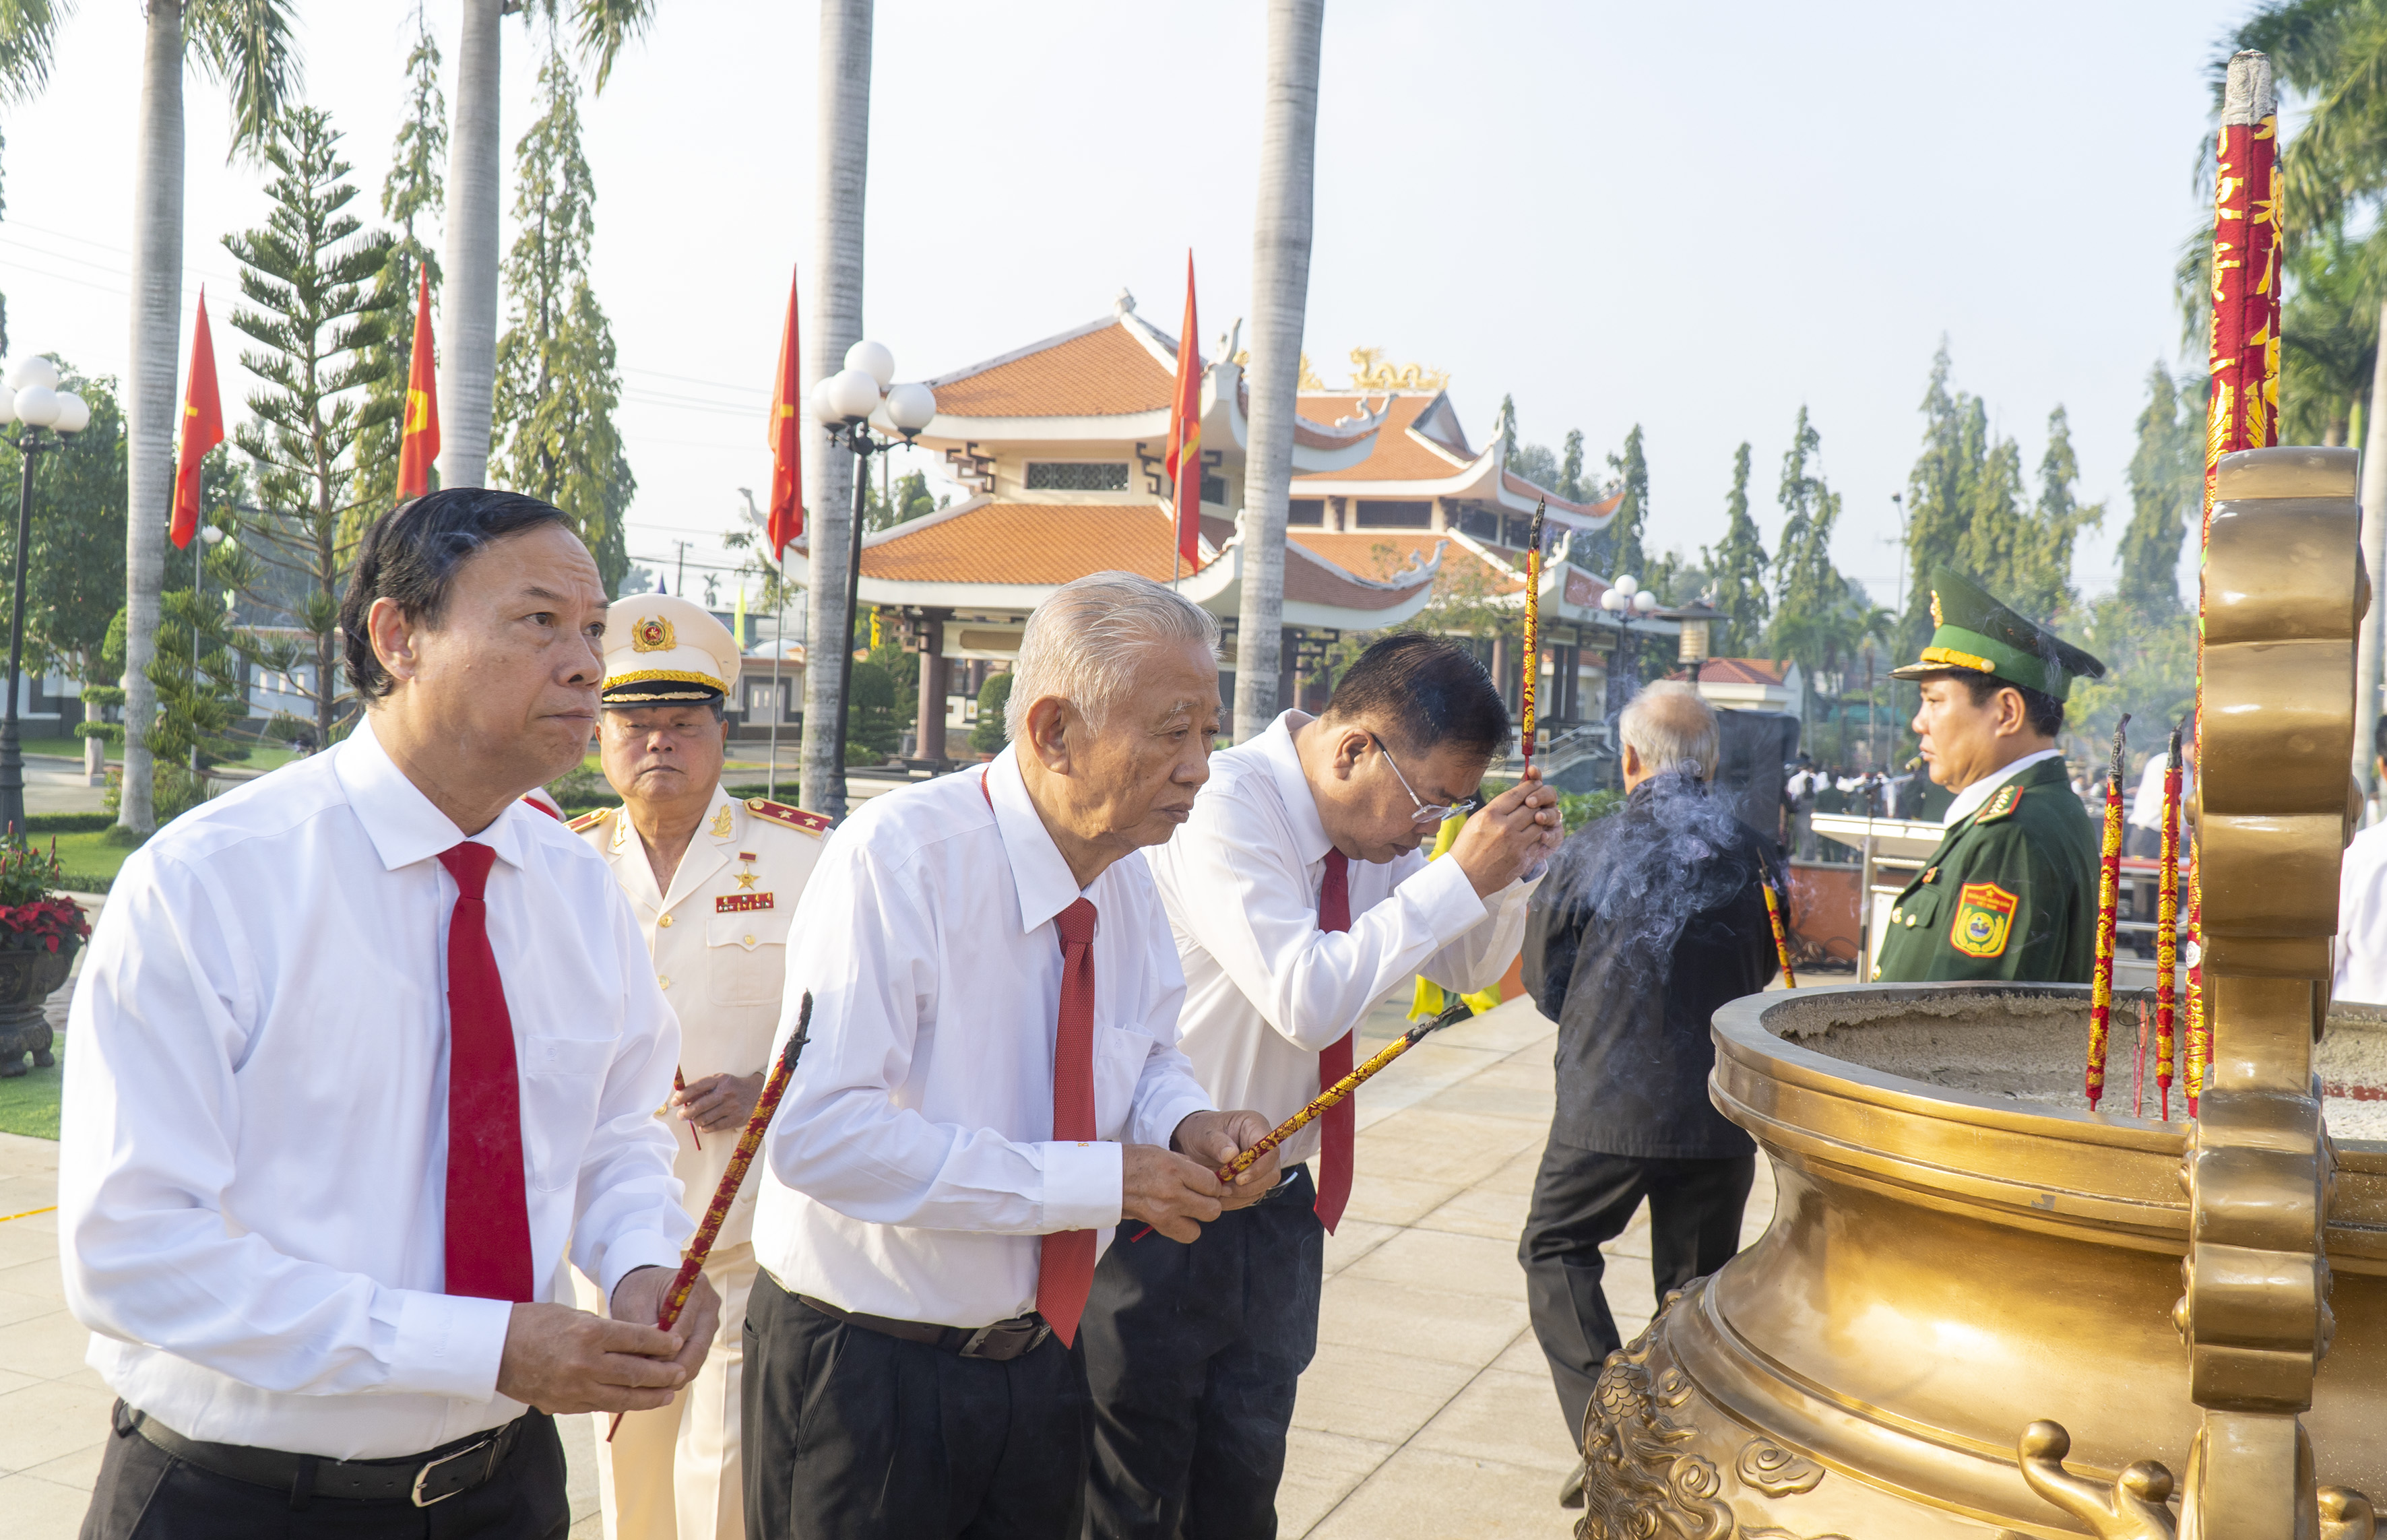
x,y
1513,836
719,1104
1216,1138
561,1360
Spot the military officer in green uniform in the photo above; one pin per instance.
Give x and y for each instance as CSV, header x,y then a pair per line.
x,y
2012,891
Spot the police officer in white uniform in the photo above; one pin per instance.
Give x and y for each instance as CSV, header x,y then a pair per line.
x,y
714,881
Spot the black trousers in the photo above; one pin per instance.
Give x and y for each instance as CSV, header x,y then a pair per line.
x,y
1193,1353
146,1494
1584,1197
851,1433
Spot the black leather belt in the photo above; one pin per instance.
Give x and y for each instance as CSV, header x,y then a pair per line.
x,y
1002,1342
425,1479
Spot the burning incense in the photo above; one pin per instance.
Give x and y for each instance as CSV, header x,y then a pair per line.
x,y
2167,926
680,1085
1533,629
709,1230
2109,889
1781,941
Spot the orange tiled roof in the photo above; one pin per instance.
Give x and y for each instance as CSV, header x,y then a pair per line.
x,y
1318,583
1382,554
1398,455
1031,543
1743,671
1103,374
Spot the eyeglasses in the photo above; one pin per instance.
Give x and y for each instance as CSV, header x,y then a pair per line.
x,y
1427,813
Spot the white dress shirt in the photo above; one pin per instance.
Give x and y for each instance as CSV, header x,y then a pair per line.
x,y
252,1181
1968,802
2362,919
2146,808
1265,989
912,1166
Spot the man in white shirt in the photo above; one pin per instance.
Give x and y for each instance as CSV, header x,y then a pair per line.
x,y
318,1310
992,1086
1298,899
2362,905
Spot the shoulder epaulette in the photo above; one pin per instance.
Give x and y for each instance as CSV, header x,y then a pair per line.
x,y
794,817
588,821
2003,801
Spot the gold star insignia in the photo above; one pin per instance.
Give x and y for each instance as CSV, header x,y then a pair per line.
x,y
745,879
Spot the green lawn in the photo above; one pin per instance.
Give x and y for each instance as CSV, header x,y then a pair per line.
x,y
29,1103
88,855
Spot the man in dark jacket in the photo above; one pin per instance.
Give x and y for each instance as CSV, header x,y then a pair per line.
x,y
1650,919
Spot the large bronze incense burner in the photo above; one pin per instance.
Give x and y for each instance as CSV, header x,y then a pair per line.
x,y
1980,1312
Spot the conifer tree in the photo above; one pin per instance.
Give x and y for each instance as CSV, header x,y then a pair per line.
x,y
558,384
311,303
1632,515
1570,485
411,196
1737,565
2166,483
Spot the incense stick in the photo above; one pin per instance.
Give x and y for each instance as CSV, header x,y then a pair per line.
x,y
2109,888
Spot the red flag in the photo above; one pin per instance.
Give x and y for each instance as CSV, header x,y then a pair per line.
x,y
1184,462
418,440
202,429
787,447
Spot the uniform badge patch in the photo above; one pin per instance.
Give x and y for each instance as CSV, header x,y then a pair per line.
x,y
652,634
721,825
2003,801
1984,919
733,904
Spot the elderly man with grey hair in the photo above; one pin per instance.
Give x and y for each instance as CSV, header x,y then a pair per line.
x,y
1649,919
993,1087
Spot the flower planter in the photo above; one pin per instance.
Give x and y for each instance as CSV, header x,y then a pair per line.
x,y
29,973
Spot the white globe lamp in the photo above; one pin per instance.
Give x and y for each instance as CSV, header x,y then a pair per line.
x,y
74,415
909,407
37,405
34,370
1628,584
1645,602
854,393
874,359
824,404
1613,601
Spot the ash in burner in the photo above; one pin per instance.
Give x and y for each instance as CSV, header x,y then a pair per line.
x,y
2030,1049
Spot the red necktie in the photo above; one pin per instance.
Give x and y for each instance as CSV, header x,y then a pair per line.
x,y
1066,1272
489,1209
1335,1061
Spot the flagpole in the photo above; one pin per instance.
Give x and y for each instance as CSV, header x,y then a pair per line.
x,y
778,650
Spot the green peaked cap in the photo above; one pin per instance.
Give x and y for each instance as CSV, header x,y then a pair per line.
x,y
1975,633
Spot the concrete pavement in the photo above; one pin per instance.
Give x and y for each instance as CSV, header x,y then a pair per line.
x,y
1428,1411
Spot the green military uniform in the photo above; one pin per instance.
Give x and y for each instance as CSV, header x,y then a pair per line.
x,y
2012,891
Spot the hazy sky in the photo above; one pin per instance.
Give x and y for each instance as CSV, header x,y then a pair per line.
x,y
1695,218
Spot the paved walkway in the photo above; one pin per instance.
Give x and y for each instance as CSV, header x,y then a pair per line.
x,y
1427,1413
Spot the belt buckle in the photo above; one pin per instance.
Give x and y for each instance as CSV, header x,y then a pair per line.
x,y
424,1476
1004,1331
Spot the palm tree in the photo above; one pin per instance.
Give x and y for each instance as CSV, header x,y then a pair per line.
x,y
468,339
246,43
1280,299
833,325
27,33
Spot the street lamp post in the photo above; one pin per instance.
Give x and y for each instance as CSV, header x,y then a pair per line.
x,y
1626,600
844,403
32,397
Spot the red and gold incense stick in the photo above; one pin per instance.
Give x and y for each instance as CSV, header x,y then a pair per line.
x,y
2138,1064
680,1085
1458,1010
1533,629
2167,926
709,1230
2242,410
1781,941
2109,892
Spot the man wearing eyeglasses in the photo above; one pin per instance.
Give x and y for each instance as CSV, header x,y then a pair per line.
x,y
1299,897
714,881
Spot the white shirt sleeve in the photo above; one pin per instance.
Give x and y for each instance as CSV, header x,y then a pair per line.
x,y
843,1136
1478,959
630,1213
1246,900
162,1022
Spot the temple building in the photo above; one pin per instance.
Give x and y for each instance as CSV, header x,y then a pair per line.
x,y
1394,517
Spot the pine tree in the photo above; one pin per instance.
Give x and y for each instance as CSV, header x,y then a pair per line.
x,y
308,277
1737,566
2167,483
558,384
1632,515
1570,485
413,192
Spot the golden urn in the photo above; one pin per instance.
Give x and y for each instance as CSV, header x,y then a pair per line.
x,y
1980,1312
